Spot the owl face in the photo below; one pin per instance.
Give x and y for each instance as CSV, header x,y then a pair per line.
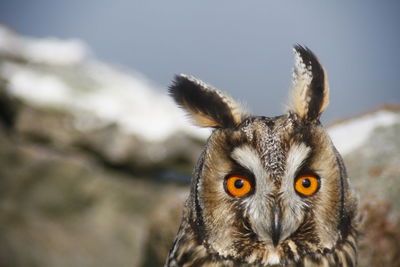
x,y
269,184
267,190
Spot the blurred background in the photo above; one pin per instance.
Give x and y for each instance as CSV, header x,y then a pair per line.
x,y
95,159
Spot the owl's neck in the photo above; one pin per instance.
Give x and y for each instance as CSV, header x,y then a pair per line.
x,y
194,250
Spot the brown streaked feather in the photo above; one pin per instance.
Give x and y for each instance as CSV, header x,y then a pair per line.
x,y
208,106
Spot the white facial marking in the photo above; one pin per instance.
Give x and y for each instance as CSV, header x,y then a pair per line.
x,y
256,205
247,157
273,258
295,158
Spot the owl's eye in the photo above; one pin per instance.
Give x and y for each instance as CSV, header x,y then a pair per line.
x,y
238,185
307,184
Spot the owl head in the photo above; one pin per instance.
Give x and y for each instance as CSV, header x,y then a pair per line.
x,y
266,190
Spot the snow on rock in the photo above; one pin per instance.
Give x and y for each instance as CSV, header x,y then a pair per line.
x,y
55,51
42,50
34,86
353,133
61,74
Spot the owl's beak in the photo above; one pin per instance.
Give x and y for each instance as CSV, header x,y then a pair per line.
x,y
276,225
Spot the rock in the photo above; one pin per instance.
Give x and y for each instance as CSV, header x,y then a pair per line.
x,y
64,201
164,224
374,173
61,207
8,107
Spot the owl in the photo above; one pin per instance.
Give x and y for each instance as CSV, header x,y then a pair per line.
x,y
266,191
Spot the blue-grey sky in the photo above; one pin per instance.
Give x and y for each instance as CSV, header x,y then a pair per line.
x,y
242,47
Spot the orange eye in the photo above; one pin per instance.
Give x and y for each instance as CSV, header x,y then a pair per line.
x,y
307,184
238,185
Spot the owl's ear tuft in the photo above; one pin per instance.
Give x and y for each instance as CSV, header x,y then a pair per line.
x,y
310,93
208,106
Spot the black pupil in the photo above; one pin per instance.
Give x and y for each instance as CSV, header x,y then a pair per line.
x,y
239,183
306,183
